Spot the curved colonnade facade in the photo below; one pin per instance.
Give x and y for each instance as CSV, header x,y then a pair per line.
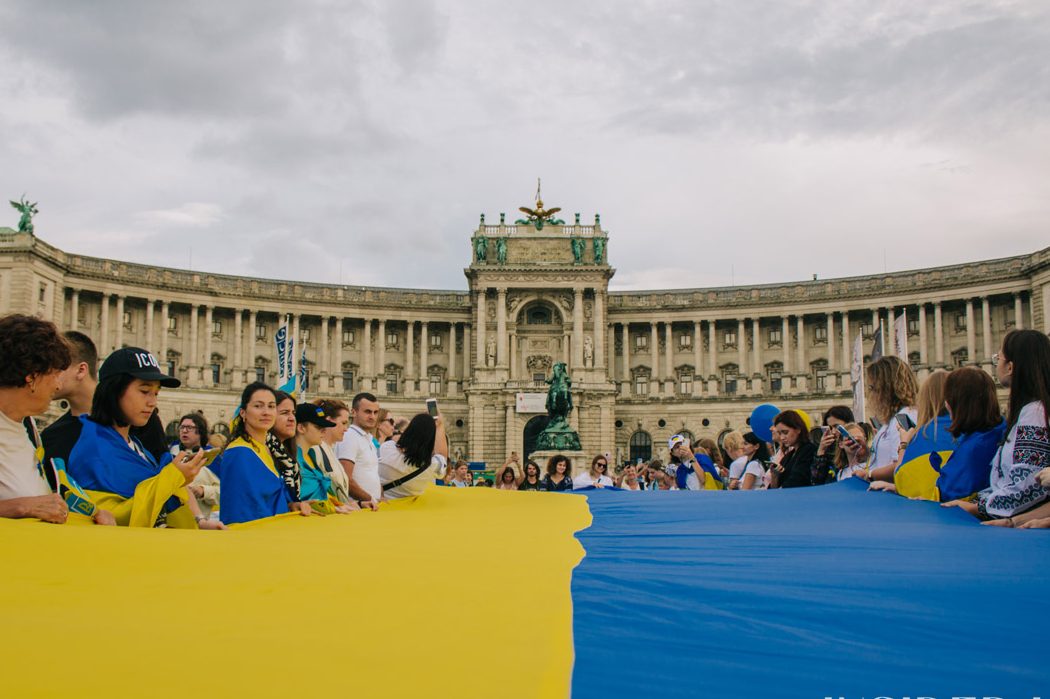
x,y
644,364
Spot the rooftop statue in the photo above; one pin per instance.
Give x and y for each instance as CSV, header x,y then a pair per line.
x,y
539,217
28,210
481,248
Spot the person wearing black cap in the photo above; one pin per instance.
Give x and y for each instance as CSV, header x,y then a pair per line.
x,y
316,485
114,468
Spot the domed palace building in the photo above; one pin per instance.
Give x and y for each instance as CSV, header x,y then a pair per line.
x,y
643,364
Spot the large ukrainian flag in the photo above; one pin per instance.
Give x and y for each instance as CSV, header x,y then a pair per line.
x,y
809,592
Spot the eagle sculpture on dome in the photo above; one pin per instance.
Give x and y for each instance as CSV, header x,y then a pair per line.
x,y
539,216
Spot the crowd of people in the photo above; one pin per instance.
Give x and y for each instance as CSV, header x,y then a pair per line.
x,y
107,461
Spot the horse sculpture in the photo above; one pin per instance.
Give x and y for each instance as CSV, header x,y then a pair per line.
x,y
558,434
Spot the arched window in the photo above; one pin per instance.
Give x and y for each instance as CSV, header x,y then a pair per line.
x,y
641,446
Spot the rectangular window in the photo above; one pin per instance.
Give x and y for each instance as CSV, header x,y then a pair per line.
x,y
170,367
685,341
305,335
216,328
126,319
173,324
348,337
913,326
685,384
821,380
435,342
260,332
641,341
731,386
960,321
391,384
641,385
216,372
729,338
775,336
43,292
348,380
775,383
260,374
391,339
820,333
866,330
435,384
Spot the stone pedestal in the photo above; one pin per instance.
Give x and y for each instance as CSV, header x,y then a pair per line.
x,y
580,461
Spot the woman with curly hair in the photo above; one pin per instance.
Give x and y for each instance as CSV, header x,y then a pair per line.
x,y
34,357
892,391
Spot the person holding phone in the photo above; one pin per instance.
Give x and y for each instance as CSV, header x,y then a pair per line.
x,y
793,466
409,466
892,390
113,466
851,457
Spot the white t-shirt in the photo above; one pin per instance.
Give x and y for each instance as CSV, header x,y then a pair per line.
x,y
736,469
392,465
755,469
584,480
887,441
357,446
19,477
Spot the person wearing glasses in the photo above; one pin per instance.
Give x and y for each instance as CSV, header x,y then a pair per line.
x,y
193,432
594,477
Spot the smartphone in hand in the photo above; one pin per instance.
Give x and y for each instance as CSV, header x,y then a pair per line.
x,y
904,421
432,407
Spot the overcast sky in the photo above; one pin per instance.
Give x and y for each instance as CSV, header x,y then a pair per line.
x,y
722,142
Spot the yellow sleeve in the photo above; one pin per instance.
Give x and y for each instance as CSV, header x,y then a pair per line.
x,y
143,508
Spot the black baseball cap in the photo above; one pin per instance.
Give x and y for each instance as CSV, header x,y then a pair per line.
x,y
314,414
137,362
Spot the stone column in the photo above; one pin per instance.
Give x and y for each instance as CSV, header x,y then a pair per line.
x,y
627,353
610,362
986,333
512,441
466,352
847,344
501,326
323,355
238,347
193,353
513,339
165,309
104,347
698,358
380,371
249,363
803,370
424,357
654,354
876,323
410,358
756,347
453,366
785,337
74,310
891,332
669,355
712,353
832,359
480,329
741,355
119,342
366,358
577,329
565,349
598,325
150,334
971,334
923,351
938,334
209,319
1018,311
335,382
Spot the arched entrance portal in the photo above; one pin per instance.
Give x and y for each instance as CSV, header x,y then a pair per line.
x,y
532,432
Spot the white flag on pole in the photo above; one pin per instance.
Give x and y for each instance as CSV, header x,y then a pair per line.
x,y
900,336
